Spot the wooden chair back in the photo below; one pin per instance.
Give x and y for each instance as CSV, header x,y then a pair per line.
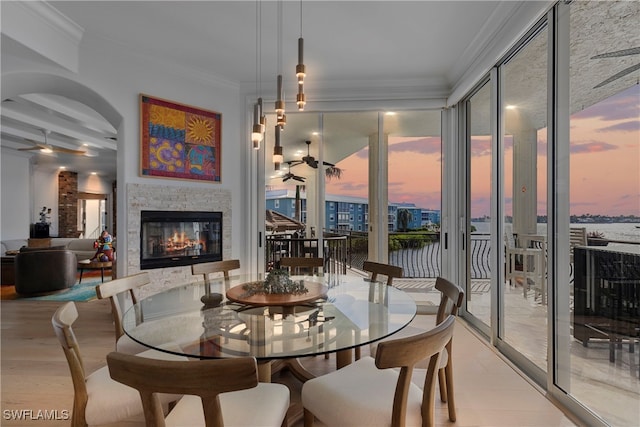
x,y
215,267
450,303
116,287
405,353
62,321
300,265
204,378
375,268
451,298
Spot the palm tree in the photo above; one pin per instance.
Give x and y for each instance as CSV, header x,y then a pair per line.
x,y
333,172
404,218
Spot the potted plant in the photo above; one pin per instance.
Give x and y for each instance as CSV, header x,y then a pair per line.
x,y
596,238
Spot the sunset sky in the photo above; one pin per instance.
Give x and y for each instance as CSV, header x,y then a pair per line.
x,y
605,164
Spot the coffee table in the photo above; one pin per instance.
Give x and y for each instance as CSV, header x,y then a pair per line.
x,y
87,264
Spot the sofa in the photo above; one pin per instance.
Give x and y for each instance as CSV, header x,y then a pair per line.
x,y
81,248
43,271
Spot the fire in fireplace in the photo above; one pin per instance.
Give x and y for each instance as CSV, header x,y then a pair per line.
x,y
175,238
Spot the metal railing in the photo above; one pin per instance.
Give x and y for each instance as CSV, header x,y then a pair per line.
x,y
417,253
334,252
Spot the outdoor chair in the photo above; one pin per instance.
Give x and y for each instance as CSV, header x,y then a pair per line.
x,y
217,392
369,393
97,399
577,237
525,265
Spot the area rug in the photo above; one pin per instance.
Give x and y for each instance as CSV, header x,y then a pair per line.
x,y
86,291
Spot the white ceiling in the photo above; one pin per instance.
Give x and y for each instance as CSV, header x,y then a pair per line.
x,y
423,47
348,44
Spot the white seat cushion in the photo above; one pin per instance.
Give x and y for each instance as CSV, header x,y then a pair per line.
x,y
358,395
128,346
264,405
111,401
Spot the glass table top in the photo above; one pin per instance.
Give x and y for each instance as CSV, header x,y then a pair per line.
x,y
354,312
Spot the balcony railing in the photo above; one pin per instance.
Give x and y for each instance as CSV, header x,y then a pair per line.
x,y
417,253
334,252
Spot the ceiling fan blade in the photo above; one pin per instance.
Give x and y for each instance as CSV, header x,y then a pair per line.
x,y
328,164
298,178
67,150
29,149
623,52
616,76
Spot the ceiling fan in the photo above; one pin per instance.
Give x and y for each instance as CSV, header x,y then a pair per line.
x,y
48,148
289,175
617,53
309,159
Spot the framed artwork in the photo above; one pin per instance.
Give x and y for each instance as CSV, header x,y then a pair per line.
x,y
179,141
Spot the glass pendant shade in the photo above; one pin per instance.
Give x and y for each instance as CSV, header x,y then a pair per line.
x,y
256,130
277,154
300,68
277,150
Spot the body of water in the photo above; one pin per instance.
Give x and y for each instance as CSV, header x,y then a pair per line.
x,y
624,231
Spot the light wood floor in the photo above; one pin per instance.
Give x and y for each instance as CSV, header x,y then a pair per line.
x,y
35,375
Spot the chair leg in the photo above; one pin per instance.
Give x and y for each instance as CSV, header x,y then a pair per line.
x,y
442,384
308,418
450,398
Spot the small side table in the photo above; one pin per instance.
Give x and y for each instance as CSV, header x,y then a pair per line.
x,y
87,264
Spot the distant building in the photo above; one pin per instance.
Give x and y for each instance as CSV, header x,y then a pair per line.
x,y
349,213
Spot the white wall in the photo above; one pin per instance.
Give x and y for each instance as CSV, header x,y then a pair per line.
x,y
93,184
117,78
45,193
14,204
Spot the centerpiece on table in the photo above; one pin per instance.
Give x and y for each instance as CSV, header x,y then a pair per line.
x,y
277,282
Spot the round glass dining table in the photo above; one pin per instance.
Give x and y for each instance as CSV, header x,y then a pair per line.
x,y
348,312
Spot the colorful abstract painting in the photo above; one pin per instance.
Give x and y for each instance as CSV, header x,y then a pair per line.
x,y
179,141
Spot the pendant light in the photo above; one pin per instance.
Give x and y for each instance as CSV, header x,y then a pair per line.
x,y
300,68
258,128
277,151
281,118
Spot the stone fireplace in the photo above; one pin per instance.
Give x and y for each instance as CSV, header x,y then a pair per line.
x,y
142,197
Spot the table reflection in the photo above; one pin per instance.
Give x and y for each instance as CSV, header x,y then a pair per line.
x,y
354,312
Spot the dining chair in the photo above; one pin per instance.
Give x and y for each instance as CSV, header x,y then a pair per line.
x,y
376,268
217,392
97,399
301,265
369,393
451,300
123,289
207,268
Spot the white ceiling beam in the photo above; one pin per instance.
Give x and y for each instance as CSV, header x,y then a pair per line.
x,y
55,124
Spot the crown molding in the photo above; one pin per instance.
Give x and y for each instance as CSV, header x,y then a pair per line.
x,y
43,29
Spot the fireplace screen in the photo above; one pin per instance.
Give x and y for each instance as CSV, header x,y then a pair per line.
x,y
169,238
